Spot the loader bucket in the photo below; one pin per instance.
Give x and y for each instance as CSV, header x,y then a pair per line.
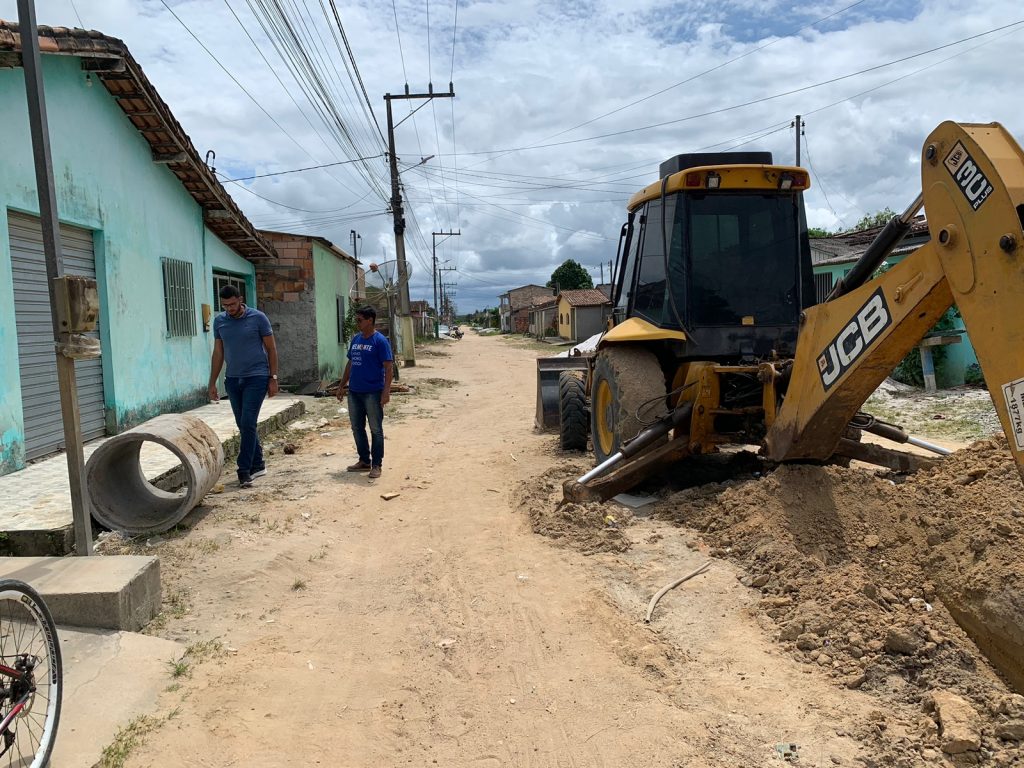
x,y
548,370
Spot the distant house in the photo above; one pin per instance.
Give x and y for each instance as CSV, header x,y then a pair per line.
x,y
307,295
514,307
582,313
544,316
422,317
833,257
140,212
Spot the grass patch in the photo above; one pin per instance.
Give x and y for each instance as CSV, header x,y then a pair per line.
x,y
298,584
180,668
127,740
959,415
439,383
202,650
175,606
320,554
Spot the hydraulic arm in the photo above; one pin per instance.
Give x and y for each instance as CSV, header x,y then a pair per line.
x,y
973,191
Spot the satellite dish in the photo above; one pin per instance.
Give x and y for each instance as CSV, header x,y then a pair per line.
x,y
381,282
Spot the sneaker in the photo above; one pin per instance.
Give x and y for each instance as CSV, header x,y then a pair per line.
x,y
359,466
258,473
244,481
374,473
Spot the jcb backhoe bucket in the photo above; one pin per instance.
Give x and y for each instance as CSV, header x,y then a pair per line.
x,y
548,369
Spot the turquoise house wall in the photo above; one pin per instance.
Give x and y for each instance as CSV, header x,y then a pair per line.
x,y
106,181
331,280
12,435
958,358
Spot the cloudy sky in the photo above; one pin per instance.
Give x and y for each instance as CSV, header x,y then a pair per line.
x,y
563,108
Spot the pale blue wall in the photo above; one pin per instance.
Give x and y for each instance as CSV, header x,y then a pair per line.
x,y
331,276
106,181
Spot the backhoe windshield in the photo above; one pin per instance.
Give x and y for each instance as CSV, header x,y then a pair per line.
x,y
743,258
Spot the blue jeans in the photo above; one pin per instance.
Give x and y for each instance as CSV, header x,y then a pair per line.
x,y
246,394
363,408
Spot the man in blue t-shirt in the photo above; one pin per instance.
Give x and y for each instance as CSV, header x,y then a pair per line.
x,y
242,336
368,379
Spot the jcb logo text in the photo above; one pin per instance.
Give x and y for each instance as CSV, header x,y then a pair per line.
x,y
854,339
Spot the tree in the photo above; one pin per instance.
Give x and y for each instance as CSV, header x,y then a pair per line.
x,y
816,232
874,220
570,276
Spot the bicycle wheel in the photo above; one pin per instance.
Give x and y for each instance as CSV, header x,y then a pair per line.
x,y
29,646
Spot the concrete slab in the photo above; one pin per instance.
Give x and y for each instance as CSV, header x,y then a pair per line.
x,y
36,514
109,592
110,678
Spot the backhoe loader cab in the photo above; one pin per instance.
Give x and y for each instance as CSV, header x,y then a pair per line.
x,y
716,253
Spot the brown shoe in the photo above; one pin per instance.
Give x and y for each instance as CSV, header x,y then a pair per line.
x,y
359,466
374,473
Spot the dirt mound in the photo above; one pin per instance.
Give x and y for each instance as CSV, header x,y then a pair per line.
x,y
592,527
874,580
866,579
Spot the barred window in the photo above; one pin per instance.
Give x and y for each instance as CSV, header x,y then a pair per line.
x,y
179,298
220,279
823,285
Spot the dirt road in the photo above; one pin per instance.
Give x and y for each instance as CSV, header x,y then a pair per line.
x,y
331,627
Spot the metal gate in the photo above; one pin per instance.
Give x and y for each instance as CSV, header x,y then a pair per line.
x,y
40,396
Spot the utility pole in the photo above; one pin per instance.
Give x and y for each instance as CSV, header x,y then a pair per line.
x,y
437,309
799,132
53,253
355,238
445,294
407,334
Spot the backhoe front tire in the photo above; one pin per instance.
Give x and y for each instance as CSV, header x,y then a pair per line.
x,y
625,379
573,416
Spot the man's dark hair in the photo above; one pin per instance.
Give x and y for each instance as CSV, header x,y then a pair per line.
x,y
229,292
367,311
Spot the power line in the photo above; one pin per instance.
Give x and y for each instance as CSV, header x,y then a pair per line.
x,y
236,82
692,78
310,66
299,170
807,151
77,14
359,77
752,102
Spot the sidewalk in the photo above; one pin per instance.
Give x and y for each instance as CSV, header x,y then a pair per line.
x,y
36,513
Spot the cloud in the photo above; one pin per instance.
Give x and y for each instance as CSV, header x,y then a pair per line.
x,y
534,73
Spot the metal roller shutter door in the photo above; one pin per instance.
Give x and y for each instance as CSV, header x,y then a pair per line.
x,y
44,431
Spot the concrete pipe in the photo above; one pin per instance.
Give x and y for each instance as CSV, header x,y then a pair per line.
x,y
124,500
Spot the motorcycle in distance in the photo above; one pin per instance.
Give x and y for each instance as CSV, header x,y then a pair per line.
x,y
455,332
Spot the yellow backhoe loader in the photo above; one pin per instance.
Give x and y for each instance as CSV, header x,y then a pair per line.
x,y
717,338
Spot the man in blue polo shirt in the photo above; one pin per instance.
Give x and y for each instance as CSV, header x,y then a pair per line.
x,y
368,378
243,337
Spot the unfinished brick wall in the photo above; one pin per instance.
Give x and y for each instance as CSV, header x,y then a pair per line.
x,y
285,293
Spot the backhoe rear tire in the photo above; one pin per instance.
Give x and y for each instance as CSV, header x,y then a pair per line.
x,y
626,378
573,416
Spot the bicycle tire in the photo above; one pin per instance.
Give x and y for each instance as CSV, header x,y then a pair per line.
x,y
27,628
